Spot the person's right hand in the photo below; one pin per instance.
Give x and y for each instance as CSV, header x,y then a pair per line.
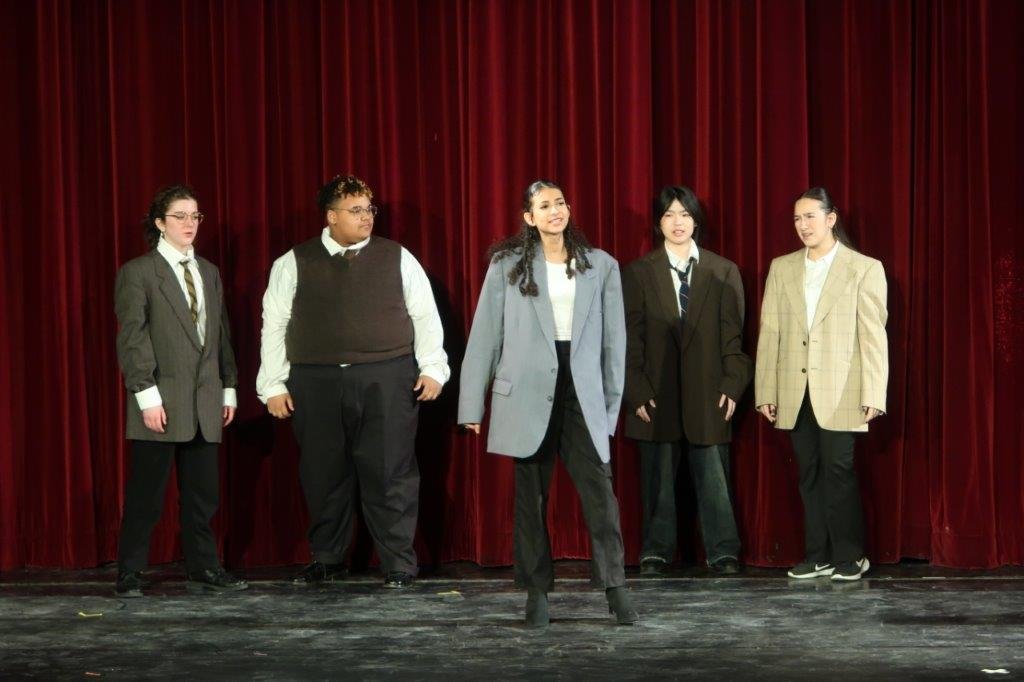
x,y
642,411
155,418
281,406
475,428
768,410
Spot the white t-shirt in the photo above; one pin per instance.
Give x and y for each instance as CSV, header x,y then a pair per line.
x,y
562,292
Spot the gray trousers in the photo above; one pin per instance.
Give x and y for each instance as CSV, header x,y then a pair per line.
x,y
709,467
567,435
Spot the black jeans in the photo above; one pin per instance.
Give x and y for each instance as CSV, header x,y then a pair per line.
x,y
833,520
568,435
709,467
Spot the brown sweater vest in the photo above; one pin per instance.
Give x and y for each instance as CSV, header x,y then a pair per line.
x,y
348,311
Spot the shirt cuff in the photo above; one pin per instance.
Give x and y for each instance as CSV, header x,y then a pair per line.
x,y
230,397
435,372
149,398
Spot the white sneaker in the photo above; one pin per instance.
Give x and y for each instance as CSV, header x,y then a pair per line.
x,y
851,570
810,570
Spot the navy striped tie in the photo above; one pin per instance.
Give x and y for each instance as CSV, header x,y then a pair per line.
x,y
684,287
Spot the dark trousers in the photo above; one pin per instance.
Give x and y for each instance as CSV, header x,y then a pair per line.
x,y
567,434
198,492
709,468
358,423
833,521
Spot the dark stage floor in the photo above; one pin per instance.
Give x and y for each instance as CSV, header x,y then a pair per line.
x,y
910,621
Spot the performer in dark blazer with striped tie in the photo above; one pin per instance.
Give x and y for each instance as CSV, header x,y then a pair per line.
x,y
174,348
685,372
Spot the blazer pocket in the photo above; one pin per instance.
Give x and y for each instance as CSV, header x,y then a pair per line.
x,y
502,387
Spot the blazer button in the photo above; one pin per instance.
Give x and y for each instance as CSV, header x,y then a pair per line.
x,y
554,370
805,343
804,370
550,399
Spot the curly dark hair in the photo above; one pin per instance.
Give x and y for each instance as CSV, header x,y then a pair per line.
x,y
165,196
341,186
524,244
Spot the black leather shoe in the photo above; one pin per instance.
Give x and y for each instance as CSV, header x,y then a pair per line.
x,y
726,566
397,580
621,605
537,609
317,573
214,580
652,566
129,585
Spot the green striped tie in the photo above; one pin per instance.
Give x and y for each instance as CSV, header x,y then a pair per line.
x,y
190,284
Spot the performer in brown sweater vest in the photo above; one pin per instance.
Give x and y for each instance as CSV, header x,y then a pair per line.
x,y
352,341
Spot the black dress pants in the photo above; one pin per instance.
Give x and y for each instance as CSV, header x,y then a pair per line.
x,y
358,423
198,493
567,434
833,519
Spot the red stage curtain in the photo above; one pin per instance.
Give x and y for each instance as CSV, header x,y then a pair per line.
x,y
907,111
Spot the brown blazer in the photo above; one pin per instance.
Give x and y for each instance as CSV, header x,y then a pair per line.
x,y
842,360
685,368
157,344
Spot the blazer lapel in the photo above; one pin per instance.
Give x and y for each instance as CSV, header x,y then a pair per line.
x,y
700,280
668,297
586,288
176,297
835,284
542,301
793,283
210,301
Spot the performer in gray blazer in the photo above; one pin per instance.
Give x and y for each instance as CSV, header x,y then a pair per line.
x,y
175,353
549,330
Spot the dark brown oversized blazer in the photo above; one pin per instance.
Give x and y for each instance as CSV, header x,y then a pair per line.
x,y
157,344
686,367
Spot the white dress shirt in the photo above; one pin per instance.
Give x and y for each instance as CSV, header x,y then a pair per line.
x,y
151,396
815,274
562,292
277,310
680,265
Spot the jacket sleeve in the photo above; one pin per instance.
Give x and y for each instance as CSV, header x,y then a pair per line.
x,y
483,350
134,346
638,388
228,368
736,365
613,345
874,346
766,378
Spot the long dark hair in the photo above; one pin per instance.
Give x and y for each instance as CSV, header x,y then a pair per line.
x,y
685,196
524,244
165,196
821,195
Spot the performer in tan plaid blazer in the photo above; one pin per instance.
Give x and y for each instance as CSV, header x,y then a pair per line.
x,y
821,372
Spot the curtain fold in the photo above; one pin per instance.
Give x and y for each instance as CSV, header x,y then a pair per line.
x,y
907,111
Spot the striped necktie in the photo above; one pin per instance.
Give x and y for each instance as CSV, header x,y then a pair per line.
x,y
684,287
190,285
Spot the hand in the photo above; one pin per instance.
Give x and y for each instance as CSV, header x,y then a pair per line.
x,y
642,411
730,406
229,414
768,411
281,406
429,388
155,418
869,413
475,428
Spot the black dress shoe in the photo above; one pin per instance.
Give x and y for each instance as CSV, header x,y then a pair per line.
x,y
317,573
621,605
129,585
537,609
397,580
214,580
726,566
652,566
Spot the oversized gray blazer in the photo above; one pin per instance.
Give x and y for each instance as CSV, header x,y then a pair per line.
x,y
157,344
513,342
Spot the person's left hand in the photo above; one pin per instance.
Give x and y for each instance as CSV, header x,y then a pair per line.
x,y
229,414
428,388
869,413
729,404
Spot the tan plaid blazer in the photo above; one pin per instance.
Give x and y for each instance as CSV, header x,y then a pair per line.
x,y
842,360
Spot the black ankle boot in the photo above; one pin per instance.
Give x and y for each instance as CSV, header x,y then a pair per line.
x,y
537,608
621,605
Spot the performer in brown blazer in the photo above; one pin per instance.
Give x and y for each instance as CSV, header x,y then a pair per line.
x,y
175,353
822,370
685,371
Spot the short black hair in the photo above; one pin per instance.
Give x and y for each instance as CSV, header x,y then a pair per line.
x,y
685,196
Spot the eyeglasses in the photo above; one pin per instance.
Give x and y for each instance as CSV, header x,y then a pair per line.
x,y
359,211
198,217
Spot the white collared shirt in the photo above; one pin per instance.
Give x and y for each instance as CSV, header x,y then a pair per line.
x,y
680,266
815,274
151,396
428,334
562,292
